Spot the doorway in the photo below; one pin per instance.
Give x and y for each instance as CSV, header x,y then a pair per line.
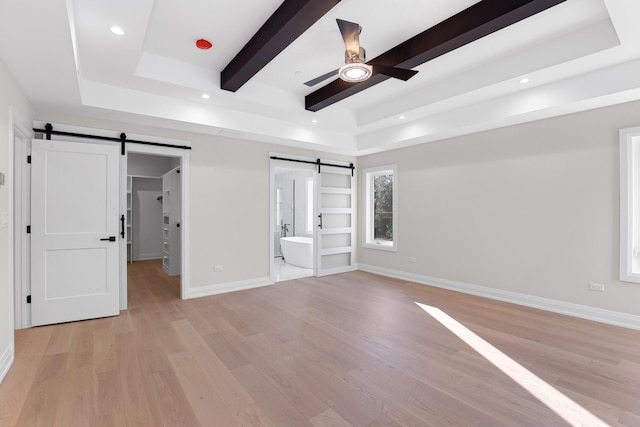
x,y
155,200
312,215
153,224
293,232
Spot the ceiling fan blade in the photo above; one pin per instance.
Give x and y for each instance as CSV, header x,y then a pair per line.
x,y
395,72
351,35
321,78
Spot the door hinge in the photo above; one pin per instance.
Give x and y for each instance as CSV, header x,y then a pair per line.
x,y
28,299
28,159
28,229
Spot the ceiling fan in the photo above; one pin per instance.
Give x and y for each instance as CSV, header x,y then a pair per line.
x,y
356,68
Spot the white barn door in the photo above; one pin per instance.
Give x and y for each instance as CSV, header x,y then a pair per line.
x,y
75,229
335,241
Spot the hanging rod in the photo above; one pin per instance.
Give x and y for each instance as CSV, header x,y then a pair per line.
x,y
317,163
48,131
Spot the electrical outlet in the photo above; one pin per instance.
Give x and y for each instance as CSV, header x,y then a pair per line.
x,y
218,268
412,259
597,287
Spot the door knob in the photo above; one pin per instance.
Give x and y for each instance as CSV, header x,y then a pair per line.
x,y
109,239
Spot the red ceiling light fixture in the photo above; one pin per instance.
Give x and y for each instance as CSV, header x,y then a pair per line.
x,y
203,44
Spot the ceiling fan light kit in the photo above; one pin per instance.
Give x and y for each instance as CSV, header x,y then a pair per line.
x,y
356,71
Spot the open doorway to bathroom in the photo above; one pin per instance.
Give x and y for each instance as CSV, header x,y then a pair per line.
x,y
293,190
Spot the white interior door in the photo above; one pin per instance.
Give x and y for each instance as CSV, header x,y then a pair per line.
x,y
74,231
335,242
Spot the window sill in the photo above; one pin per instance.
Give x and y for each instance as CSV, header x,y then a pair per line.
x,y
382,246
630,277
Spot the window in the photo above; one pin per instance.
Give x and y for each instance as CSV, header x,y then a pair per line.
x,y
381,208
630,205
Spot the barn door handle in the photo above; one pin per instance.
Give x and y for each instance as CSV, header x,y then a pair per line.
x,y
109,239
320,225
122,226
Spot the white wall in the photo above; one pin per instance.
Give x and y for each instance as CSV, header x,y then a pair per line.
x,y
229,193
532,209
10,96
147,218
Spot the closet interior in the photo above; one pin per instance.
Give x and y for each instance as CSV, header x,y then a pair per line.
x,y
154,204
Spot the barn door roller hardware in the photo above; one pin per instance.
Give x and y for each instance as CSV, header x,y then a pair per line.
x,y
48,131
318,163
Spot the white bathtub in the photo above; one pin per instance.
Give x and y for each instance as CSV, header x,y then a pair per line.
x,y
297,251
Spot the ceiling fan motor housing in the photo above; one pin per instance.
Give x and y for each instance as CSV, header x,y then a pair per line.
x,y
361,57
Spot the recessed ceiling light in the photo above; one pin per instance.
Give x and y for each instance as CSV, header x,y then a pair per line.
x,y
205,96
314,121
524,80
402,117
117,30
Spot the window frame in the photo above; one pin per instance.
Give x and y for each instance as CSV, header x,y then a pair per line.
x,y
630,205
368,176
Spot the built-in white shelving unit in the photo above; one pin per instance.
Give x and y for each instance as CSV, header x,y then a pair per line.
x,y
171,211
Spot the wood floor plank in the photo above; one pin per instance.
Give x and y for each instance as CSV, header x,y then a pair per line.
x,y
275,366
253,416
15,388
220,377
77,399
273,404
134,397
172,403
33,342
629,420
105,354
81,347
208,405
344,350
329,418
60,340
41,404
226,351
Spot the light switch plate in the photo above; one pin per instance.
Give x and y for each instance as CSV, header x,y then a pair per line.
x,y
4,219
1,178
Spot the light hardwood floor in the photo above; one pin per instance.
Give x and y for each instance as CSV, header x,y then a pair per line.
x,y
345,350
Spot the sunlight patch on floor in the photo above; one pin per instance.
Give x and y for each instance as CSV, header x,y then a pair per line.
x,y
567,409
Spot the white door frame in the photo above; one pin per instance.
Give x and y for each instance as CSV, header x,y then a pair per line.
x,y
20,136
184,156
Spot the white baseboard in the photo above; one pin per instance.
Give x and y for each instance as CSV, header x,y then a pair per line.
x,y
339,270
6,360
147,256
221,288
585,312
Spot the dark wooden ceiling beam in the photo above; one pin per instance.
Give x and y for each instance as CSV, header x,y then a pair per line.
x,y
479,20
287,23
